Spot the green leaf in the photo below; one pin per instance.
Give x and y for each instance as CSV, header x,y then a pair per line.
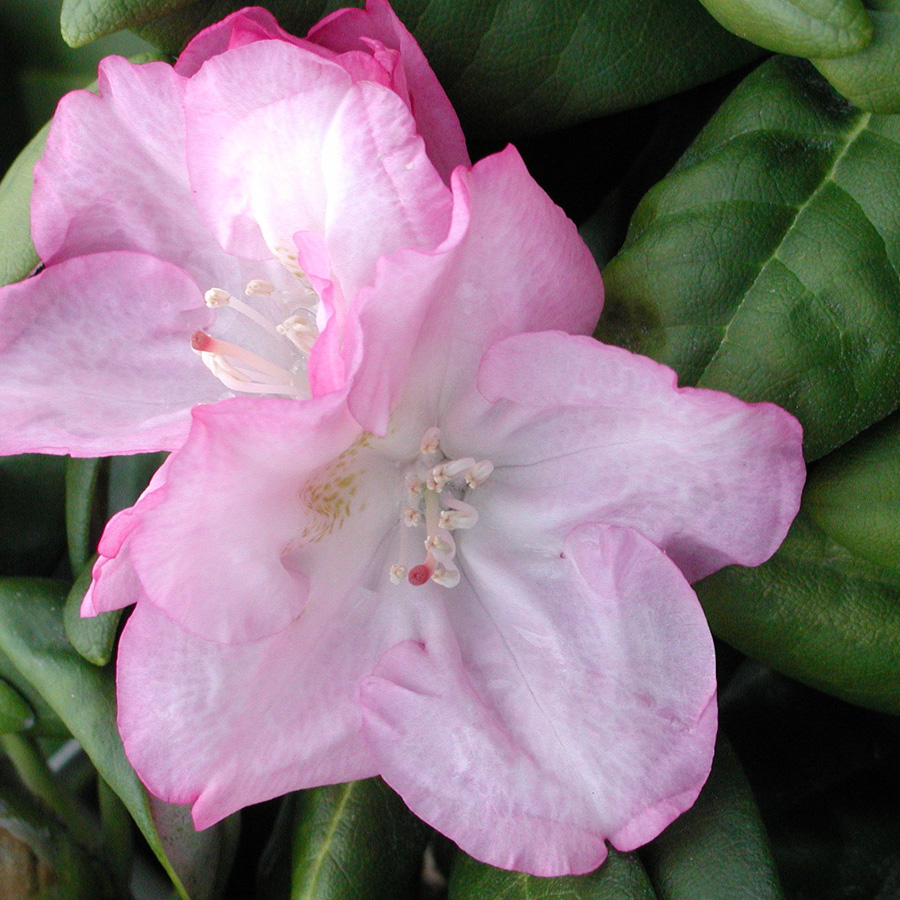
x,y
354,841
94,637
853,494
718,849
32,518
766,264
621,877
817,613
128,476
871,78
827,28
83,21
81,483
518,67
32,636
15,712
17,254
46,723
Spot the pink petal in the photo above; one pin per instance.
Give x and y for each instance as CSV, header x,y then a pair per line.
x,y
242,537
97,357
580,431
512,261
246,26
570,701
436,120
252,24
90,198
281,141
222,726
115,583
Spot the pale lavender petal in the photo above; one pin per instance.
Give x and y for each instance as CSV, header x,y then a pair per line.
x,y
580,431
96,357
282,141
246,26
243,536
512,261
114,175
436,120
222,726
115,583
252,24
570,701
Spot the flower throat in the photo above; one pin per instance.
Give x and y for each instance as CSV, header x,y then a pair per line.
x,y
290,330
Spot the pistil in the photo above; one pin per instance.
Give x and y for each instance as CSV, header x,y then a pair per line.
x,y
266,377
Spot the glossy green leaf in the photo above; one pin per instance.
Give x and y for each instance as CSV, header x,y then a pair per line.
x,y
118,834
17,254
853,494
621,877
827,28
718,849
871,78
46,722
81,483
517,67
94,637
32,636
354,841
817,613
83,21
39,858
128,476
15,712
766,264
32,514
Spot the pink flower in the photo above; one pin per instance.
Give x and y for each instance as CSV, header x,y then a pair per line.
x,y
478,590
177,191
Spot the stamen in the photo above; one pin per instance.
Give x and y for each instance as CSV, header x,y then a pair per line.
x,y
444,472
397,573
435,544
434,485
258,286
445,577
301,334
216,297
431,440
479,473
459,515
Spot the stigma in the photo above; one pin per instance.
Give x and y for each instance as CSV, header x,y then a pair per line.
x,y
435,486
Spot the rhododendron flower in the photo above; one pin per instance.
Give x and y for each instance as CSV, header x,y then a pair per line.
x,y
445,537
263,173
478,590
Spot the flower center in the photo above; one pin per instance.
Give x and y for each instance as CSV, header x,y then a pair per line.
x,y
281,328
435,486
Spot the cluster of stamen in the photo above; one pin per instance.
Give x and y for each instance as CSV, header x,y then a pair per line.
x,y
244,371
435,486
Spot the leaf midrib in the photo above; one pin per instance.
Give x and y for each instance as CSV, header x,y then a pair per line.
x,y
828,179
313,881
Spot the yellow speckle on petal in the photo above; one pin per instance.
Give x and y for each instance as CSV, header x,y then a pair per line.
x,y
327,497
